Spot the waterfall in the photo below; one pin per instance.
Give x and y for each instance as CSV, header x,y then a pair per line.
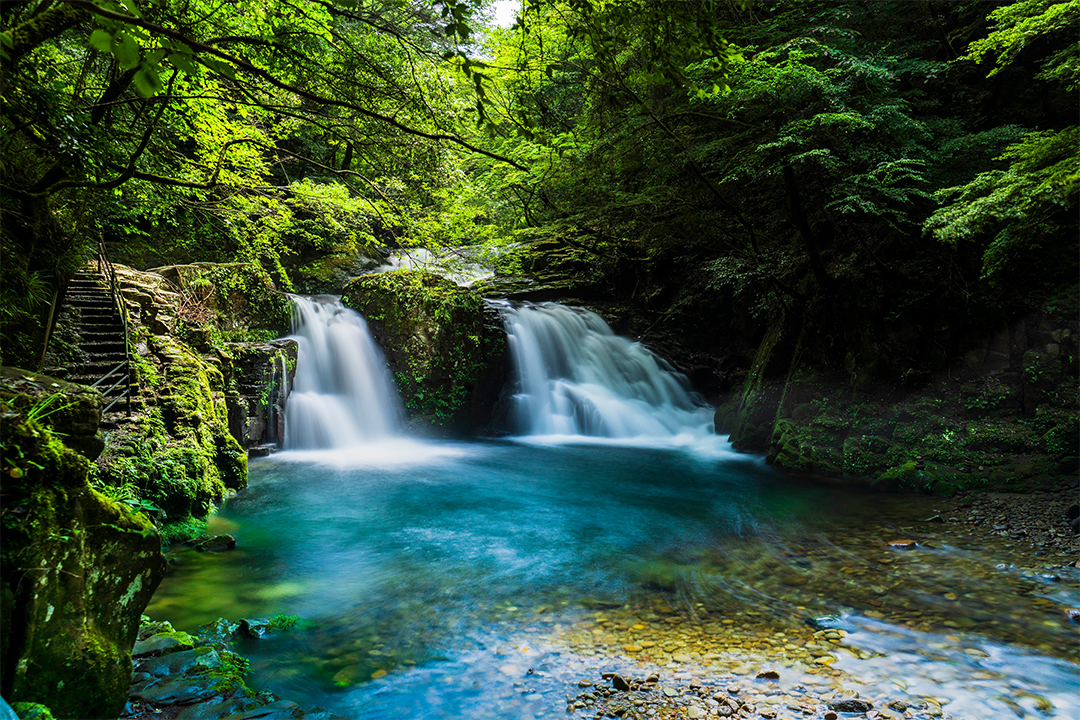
x,y
342,393
576,377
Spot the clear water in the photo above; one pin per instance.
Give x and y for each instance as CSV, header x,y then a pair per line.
x,y
475,580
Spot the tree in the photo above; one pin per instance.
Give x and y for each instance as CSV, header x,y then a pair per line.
x,y
193,118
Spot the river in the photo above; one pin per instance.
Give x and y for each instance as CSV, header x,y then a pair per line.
x,y
486,579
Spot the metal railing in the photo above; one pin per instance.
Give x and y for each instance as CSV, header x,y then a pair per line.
x,y
124,367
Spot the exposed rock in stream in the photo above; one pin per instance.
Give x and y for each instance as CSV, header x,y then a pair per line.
x,y
178,676
446,350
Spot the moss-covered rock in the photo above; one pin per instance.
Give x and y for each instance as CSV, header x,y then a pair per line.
x,y
445,350
222,302
177,454
198,405
32,711
73,411
77,569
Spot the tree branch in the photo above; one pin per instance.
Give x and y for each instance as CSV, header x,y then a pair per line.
x,y
280,84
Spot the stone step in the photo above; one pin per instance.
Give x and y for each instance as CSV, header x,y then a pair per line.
x,y
105,363
105,388
99,327
97,315
90,305
103,346
87,288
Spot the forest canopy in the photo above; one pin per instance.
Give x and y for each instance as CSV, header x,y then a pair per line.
x,y
852,162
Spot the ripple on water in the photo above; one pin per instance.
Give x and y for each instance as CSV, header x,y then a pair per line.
x,y
969,676
420,567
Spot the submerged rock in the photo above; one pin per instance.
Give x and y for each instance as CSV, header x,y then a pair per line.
x,y
214,543
851,705
204,682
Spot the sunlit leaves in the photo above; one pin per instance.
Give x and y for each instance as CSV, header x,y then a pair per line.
x,y
1016,210
1016,26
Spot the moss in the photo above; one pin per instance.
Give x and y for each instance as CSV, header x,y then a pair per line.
x,y
284,622
237,302
68,642
859,458
434,335
31,711
179,455
229,675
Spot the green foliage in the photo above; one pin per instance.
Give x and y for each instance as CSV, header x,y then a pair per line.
x,y
183,530
31,711
1022,217
433,334
284,622
1018,25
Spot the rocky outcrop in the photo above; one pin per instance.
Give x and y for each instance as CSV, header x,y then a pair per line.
x,y
259,377
1004,415
445,348
234,301
201,401
78,568
197,677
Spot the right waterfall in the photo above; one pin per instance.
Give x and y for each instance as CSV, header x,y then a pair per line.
x,y
576,377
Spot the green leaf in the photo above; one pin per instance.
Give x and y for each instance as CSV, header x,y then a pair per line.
x,y
5,38
183,63
126,51
147,82
130,7
222,68
154,57
101,40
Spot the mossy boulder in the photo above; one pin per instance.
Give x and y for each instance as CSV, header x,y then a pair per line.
x,y
73,411
178,452
78,569
445,349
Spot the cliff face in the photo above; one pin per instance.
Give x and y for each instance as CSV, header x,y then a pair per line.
x,y
78,568
202,401
446,350
1002,415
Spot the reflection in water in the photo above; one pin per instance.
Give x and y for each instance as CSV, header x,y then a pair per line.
x,y
456,568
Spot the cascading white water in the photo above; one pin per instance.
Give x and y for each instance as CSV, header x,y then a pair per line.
x,y
342,393
576,377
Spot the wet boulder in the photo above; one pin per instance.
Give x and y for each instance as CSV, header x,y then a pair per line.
x,y
445,348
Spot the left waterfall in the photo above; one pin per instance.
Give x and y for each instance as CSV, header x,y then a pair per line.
x,y
342,394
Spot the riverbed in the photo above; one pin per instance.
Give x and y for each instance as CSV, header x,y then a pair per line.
x,y
491,579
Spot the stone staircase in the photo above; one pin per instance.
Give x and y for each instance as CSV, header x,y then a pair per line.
x,y
102,341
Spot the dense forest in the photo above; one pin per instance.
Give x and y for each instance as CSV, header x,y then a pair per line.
x,y
860,165
851,226
843,197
